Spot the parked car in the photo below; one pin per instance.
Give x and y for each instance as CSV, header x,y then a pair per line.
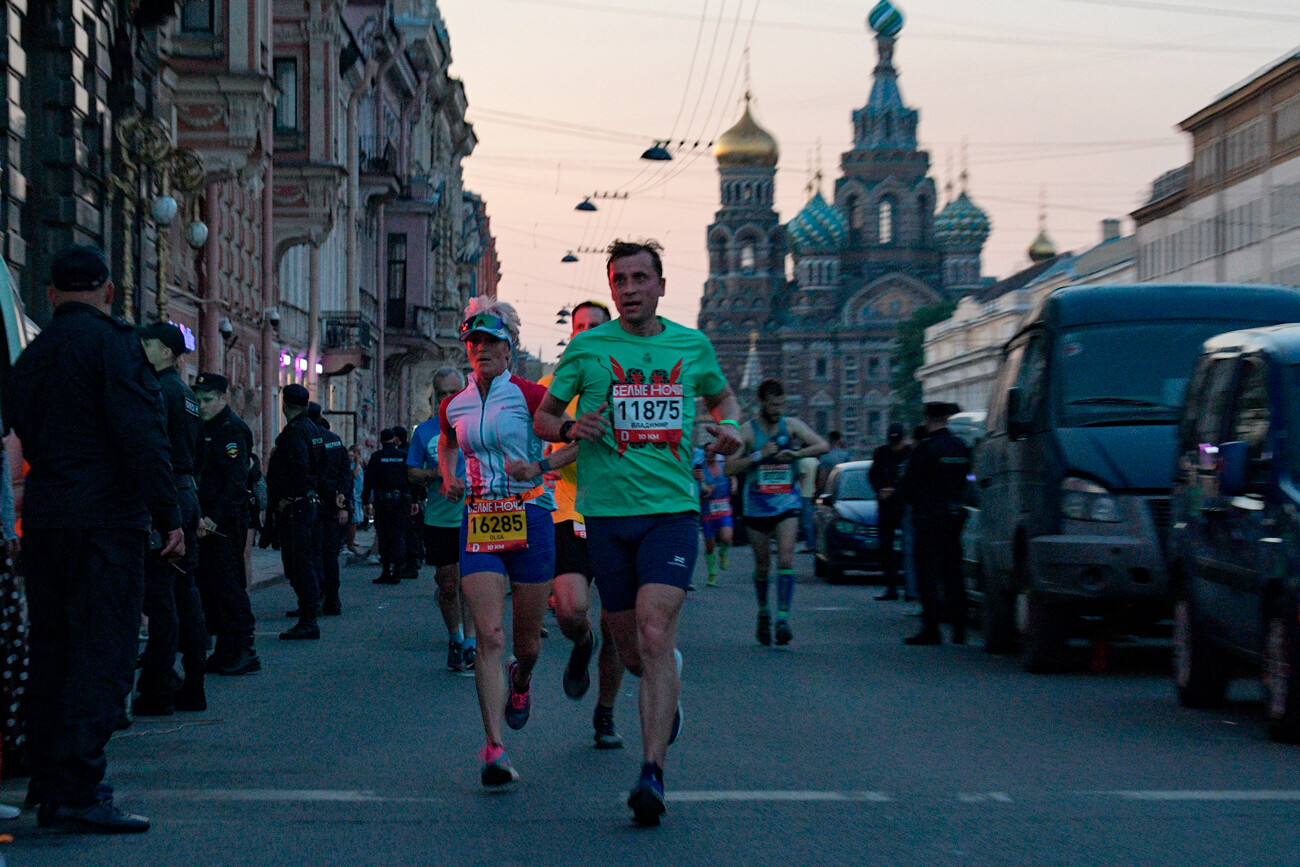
x,y
845,521
1074,475
1234,549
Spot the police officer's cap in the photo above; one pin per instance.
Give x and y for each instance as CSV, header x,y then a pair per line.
x,y
401,433
387,436
78,268
296,395
168,334
314,413
896,432
211,382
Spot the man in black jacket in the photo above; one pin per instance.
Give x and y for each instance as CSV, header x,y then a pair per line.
x,y
935,484
385,487
171,599
87,407
223,530
293,483
335,488
887,465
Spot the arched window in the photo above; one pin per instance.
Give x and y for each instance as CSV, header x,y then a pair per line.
x,y
747,257
855,213
886,227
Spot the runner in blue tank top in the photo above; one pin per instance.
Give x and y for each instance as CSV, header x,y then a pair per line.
x,y
772,443
715,511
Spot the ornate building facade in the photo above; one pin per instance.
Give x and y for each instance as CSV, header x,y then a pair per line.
x,y
281,179
862,262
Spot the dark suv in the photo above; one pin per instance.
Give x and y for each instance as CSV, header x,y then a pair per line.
x,y
1234,547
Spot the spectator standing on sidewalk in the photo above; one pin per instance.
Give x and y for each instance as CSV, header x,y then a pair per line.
x,y
88,409
887,465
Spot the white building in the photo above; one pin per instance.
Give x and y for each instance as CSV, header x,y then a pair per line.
x,y
1233,214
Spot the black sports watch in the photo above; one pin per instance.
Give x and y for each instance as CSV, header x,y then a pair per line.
x,y
564,430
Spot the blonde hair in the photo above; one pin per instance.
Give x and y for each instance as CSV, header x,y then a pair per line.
x,y
500,309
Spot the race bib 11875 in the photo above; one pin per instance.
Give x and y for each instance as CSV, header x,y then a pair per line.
x,y
647,412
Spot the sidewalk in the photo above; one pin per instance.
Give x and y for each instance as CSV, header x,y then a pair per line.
x,y
266,569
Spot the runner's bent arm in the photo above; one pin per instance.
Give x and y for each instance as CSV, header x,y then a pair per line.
x,y
813,445
453,488
552,415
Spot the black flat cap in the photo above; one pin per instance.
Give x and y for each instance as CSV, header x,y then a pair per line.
x,y
171,336
296,395
211,382
78,268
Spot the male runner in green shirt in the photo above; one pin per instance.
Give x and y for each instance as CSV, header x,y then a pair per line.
x,y
637,379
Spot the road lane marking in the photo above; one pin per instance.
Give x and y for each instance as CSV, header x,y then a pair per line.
x,y
339,796
1208,795
705,797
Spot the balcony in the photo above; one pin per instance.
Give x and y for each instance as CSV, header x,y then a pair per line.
x,y
347,342
418,327
378,156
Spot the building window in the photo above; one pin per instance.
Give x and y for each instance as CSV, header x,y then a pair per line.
x,y
873,368
396,281
820,368
1245,145
1288,121
886,222
1205,163
196,16
822,421
747,257
286,105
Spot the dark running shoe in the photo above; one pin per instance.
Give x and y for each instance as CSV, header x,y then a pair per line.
x,y
647,797
577,679
497,770
468,653
783,633
455,656
607,738
518,704
764,631
99,818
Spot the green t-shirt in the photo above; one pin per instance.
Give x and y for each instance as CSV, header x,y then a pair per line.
x,y
642,466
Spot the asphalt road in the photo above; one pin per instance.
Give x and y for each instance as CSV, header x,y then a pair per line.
x,y
848,748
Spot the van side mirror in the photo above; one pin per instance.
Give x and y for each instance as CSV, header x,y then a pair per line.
x,y
1016,426
1232,469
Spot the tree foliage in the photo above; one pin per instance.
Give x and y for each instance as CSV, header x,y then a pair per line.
x,y
909,355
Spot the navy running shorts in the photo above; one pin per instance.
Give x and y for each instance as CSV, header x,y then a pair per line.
x,y
628,553
532,565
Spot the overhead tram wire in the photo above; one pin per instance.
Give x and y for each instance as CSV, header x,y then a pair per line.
x,y
686,164
1191,9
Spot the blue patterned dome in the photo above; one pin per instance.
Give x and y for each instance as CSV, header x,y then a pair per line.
x,y
818,228
961,225
885,19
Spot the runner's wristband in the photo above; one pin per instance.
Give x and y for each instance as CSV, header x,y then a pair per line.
x,y
544,465
564,430
732,422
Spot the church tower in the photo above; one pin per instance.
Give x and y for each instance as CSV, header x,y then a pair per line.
x,y
746,243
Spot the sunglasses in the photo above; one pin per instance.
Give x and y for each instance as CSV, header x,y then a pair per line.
x,y
484,322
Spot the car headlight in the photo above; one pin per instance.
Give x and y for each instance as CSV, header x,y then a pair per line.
x,y
848,528
1082,500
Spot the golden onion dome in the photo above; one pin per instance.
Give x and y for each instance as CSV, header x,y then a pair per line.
x,y
747,144
1042,248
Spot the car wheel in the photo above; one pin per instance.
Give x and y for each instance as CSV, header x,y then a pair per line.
x,y
1282,675
819,566
834,574
1201,670
997,616
1047,636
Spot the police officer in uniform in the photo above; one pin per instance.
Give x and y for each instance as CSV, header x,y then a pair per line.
x,y
385,487
887,465
335,487
293,482
935,484
171,599
414,538
223,529
86,404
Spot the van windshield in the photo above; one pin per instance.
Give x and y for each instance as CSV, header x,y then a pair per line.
x,y
1129,372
